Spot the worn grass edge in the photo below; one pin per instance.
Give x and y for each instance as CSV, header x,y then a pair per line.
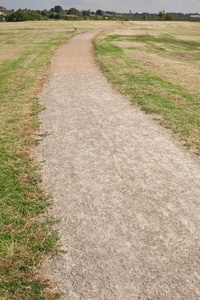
x,y
21,278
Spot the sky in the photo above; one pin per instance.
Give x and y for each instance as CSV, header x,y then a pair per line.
x,y
140,6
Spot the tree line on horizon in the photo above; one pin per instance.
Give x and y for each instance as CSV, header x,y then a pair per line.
x,y
58,12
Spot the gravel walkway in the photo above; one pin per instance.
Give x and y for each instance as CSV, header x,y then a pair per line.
x,y
127,193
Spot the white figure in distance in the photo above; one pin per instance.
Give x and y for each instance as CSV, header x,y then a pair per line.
x,y
75,28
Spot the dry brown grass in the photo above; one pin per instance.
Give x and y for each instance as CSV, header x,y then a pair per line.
x,y
183,71
159,67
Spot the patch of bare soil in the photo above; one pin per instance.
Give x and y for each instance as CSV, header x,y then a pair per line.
x,y
127,193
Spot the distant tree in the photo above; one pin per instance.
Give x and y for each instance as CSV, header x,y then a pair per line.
x,y
53,15
58,9
3,9
59,16
23,15
44,13
18,16
33,15
161,15
145,17
169,17
74,11
99,18
99,12
85,13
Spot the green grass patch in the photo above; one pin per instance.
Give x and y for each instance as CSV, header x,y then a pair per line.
x,y
154,90
26,238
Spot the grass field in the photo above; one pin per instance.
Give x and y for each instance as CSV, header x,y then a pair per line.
x,y
25,238
157,64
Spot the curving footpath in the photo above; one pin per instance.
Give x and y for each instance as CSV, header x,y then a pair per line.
x,y
126,191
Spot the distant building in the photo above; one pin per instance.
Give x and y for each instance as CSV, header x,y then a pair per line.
x,y
72,16
2,16
195,16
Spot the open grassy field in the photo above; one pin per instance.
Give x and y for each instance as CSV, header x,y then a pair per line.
x,y
25,238
157,64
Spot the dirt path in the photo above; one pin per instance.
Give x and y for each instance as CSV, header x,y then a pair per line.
x,y
127,193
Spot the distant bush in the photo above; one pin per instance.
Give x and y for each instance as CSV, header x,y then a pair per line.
x,y
169,17
74,11
145,17
23,15
17,16
34,16
98,18
55,15
85,13
99,12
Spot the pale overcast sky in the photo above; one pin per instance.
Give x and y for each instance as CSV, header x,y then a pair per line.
x,y
151,6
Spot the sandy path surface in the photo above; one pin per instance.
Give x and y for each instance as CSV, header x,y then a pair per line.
x,y
127,193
